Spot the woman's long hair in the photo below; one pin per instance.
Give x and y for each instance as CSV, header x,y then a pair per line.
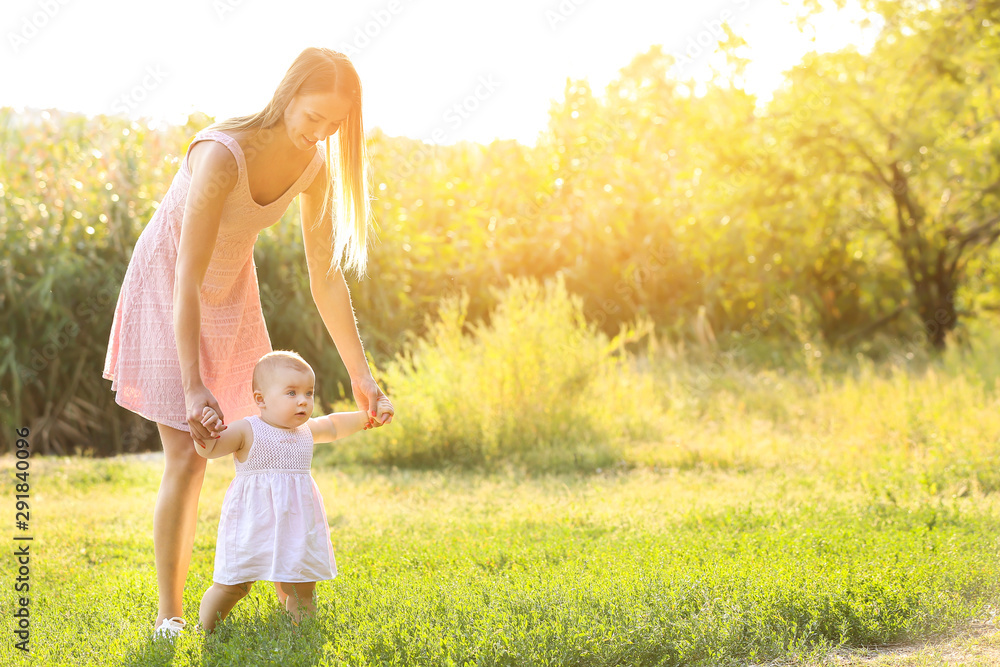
x,y
320,70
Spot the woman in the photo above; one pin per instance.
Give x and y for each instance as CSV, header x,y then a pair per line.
x,y
189,327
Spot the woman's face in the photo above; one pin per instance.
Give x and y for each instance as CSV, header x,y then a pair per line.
x,y
314,117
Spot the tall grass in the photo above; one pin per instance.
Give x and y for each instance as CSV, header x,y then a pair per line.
x,y
910,416
536,385
539,387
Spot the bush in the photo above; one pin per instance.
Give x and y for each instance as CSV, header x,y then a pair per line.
x,y
535,386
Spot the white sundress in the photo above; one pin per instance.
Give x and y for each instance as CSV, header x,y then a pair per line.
x,y
273,525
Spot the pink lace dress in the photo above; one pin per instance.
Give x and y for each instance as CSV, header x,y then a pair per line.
x,y
273,525
141,360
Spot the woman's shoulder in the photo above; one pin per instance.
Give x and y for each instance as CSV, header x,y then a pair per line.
x,y
206,152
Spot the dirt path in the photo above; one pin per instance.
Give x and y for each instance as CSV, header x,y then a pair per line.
x,y
977,646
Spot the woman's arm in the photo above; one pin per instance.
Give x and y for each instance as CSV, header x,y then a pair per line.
x,y
212,167
332,296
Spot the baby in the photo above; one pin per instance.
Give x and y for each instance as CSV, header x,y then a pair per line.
x,y
273,525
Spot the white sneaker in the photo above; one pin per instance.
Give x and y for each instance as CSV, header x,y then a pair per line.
x,y
170,628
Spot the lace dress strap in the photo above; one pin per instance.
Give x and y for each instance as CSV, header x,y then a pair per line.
x,y
227,141
243,181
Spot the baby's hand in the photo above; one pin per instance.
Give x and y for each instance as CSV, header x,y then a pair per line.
x,y
383,413
210,420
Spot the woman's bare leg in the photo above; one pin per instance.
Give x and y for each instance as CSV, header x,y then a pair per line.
x,y
281,593
301,599
175,517
218,601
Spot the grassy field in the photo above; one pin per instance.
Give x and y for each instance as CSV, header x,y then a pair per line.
x,y
807,512
636,567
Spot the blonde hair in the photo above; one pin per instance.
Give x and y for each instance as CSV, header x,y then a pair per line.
x,y
268,365
322,71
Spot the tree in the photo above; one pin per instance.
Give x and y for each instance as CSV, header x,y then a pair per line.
x,y
914,127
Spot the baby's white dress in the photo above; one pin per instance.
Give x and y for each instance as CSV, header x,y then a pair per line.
x,y
273,525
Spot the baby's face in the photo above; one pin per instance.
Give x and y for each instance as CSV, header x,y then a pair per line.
x,y
288,398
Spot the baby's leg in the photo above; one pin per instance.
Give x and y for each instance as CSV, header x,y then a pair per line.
x,y
219,600
301,599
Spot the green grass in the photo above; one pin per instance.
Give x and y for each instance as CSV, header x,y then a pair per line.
x,y
638,567
765,512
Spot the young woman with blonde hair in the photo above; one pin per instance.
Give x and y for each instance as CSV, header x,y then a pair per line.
x,y
189,327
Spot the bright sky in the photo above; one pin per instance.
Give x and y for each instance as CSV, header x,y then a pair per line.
x,y
502,62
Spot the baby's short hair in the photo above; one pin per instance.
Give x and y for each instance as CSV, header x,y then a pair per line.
x,y
266,367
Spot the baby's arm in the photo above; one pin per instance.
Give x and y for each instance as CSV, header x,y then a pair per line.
x,y
342,424
229,441
337,425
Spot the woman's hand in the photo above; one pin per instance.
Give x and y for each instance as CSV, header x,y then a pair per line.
x,y
383,411
196,400
367,395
